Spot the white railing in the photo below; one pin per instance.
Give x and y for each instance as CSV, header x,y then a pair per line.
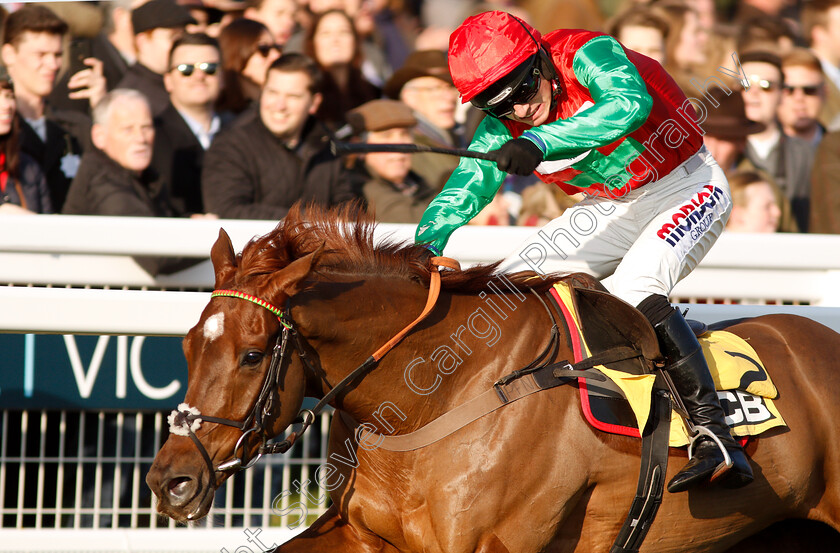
x,y
70,471
61,250
66,274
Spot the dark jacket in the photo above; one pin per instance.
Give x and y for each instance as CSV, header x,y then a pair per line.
x,y
179,158
32,184
250,174
103,187
825,186
139,77
58,157
114,67
790,163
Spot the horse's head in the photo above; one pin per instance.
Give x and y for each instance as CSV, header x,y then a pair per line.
x,y
243,387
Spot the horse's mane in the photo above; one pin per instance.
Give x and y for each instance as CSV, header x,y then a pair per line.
x,y
347,235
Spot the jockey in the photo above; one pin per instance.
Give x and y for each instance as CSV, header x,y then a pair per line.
x,y
593,117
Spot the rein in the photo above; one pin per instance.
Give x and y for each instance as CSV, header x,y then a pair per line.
x,y
186,420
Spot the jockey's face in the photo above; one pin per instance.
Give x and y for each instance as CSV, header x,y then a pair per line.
x,y
537,110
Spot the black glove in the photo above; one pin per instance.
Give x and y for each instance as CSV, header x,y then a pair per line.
x,y
519,156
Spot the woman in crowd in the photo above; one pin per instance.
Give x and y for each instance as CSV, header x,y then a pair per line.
x,y
23,187
333,43
686,47
248,48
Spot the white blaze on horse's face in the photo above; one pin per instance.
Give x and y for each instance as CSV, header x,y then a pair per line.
x,y
214,326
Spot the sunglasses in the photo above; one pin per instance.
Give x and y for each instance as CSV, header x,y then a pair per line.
x,y
265,49
763,84
809,90
503,103
187,69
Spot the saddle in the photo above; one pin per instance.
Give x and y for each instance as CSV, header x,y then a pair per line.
x,y
620,403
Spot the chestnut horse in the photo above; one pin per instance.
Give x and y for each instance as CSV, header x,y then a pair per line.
x,y
531,476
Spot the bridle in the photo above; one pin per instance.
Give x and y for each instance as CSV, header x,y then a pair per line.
x,y
185,420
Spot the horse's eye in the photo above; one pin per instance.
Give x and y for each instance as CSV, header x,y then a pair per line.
x,y
252,358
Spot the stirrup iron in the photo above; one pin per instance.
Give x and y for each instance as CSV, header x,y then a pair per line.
x,y
702,431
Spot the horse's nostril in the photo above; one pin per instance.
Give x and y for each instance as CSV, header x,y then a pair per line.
x,y
180,487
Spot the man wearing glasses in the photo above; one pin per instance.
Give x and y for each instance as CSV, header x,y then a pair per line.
x,y
803,96
157,24
787,159
187,127
592,117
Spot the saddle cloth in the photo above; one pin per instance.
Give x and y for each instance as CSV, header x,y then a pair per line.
x,y
621,404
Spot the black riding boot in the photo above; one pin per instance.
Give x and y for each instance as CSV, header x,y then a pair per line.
x,y
692,380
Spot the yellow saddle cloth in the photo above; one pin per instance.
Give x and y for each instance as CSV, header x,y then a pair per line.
x,y
744,387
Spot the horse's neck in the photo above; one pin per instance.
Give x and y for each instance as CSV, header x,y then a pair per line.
x,y
464,345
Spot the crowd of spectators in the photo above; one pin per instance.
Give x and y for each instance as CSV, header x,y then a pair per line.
x,y
226,108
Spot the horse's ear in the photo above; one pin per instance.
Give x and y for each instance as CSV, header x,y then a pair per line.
x,y
290,280
223,258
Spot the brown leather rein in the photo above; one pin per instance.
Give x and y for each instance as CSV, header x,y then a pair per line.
x,y
186,420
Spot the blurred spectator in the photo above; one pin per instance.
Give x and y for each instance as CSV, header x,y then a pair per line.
x,y
425,85
23,188
261,166
113,46
726,130
786,158
747,10
277,15
564,14
821,28
686,44
248,49
766,32
803,96
540,205
642,29
187,127
825,186
496,213
32,47
393,193
208,17
386,31
445,14
754,204
157,24
114,177
727,127
333,43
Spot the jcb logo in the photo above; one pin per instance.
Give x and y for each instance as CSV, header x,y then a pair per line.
x,y
743,408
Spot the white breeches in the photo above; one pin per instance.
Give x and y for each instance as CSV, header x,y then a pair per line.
x,y
642,243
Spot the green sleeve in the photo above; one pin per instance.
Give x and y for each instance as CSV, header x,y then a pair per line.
x,y
622,103
470,188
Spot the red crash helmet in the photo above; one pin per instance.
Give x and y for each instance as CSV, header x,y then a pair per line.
x,y
487,47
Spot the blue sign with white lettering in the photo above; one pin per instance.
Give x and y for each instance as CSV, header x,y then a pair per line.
x,y
91,372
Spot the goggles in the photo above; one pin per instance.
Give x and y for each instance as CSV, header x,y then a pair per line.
x,y
519,87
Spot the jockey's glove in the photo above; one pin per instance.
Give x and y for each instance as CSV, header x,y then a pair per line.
x,y
519,156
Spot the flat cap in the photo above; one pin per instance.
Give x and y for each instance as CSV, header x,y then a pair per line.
x,y
421,63
160,14
381,115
